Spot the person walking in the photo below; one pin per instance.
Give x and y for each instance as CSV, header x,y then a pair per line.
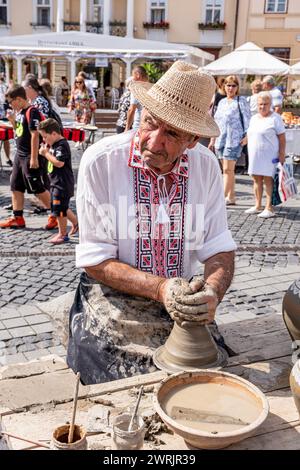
x,y
232,116
81,102
266,144
27,172
61,178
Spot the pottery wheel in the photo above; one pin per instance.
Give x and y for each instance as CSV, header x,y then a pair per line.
x,y
161,363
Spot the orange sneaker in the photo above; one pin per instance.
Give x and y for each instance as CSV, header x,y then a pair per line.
x,y
13,222
52,223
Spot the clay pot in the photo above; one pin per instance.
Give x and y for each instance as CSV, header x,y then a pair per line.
x,y
128,440
188,347
295,384
60,438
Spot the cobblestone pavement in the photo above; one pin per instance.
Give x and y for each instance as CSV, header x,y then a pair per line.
x,y
31,272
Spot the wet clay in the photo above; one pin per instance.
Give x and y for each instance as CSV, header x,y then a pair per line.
x,y
222,408
128,440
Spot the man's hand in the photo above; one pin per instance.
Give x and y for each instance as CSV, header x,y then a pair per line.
x,y
189,302
34,164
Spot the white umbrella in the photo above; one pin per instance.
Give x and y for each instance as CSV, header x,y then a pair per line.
x,y
295,69
248,59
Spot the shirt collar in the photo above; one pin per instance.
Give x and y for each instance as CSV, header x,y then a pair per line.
x,y
181,167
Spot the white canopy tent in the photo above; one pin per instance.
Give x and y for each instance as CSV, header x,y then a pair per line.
x,y
295,69
248,59
75,45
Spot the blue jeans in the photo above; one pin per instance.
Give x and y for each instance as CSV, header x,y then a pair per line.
x,y
229,153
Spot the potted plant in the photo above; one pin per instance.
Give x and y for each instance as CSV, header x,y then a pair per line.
x,y
156,25
214,25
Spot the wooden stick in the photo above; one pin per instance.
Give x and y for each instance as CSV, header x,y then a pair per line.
x,y
71,430
135,409
38,444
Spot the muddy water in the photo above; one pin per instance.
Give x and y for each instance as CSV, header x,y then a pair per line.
x,y
211,407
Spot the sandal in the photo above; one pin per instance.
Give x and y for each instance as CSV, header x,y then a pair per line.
x,y
73,230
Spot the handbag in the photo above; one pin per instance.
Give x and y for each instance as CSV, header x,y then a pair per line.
x,y
245,147
287,186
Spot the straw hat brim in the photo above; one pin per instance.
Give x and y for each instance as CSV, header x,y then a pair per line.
x,y
174,115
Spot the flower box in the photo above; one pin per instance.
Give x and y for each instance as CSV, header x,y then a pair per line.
x,y
218,25
160,25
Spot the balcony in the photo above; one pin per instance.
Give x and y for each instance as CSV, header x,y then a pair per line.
x,y
94,27
42,25
71,26
118,28
155,25
212,26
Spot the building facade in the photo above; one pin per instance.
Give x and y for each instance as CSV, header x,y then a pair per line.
x,y
217,26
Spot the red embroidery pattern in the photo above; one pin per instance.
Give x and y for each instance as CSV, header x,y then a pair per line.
x,y
159,248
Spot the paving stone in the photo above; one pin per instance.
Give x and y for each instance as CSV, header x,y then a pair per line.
x,y
36,319
21,332
59,350
38,353
4,334
14,322
43,328
6,314
13,359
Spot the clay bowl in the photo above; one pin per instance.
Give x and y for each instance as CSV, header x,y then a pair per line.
x,y
210,409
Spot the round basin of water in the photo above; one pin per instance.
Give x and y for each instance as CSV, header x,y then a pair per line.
x,y
210,409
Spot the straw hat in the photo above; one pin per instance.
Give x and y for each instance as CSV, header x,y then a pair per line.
x,y
181,98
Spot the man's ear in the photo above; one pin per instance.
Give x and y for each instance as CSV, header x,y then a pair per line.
x,y
194,142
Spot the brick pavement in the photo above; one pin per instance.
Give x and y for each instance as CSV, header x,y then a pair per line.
x,y
31,272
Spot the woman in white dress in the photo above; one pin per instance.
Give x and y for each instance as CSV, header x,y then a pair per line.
x,y
266,146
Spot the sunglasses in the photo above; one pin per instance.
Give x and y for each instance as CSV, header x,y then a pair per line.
x,y
79,83
231,86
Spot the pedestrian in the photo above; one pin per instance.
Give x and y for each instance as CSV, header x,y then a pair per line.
x,y
269,84
232,116
123,108
27,173
81,102
3,110
151,210
61,178
256,87
139,74
266,144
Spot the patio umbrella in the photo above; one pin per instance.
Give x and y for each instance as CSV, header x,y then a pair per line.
x,y
295,69
248,59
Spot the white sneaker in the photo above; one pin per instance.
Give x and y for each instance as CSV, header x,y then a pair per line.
x,y
266,214
253,210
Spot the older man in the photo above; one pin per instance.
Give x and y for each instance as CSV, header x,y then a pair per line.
x,y
268,84
151,210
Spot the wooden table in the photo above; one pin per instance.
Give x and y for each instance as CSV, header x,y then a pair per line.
x,y
37,397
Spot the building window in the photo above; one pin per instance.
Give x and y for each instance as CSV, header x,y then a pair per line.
x,y
282,53
43,12
157,11
276,6
3,12
213,11
97,11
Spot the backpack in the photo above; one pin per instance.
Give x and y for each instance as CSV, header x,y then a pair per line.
x,y
52,114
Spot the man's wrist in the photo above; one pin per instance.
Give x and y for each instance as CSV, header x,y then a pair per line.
x,y
159,290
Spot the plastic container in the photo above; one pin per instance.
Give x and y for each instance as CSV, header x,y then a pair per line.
x,y
125,440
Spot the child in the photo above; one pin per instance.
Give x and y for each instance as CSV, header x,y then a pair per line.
x,y
61,178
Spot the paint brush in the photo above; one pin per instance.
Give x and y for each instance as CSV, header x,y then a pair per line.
x,y
71,430
135,409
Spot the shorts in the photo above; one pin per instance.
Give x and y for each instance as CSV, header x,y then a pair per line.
x,y
27,179
229,153
59,203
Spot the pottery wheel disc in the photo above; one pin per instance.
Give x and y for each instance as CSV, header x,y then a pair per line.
x,y
159,361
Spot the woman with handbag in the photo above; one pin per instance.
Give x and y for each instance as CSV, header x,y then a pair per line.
x,y
266,144
232,116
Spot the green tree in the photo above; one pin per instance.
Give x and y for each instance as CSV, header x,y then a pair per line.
x,y
153,71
